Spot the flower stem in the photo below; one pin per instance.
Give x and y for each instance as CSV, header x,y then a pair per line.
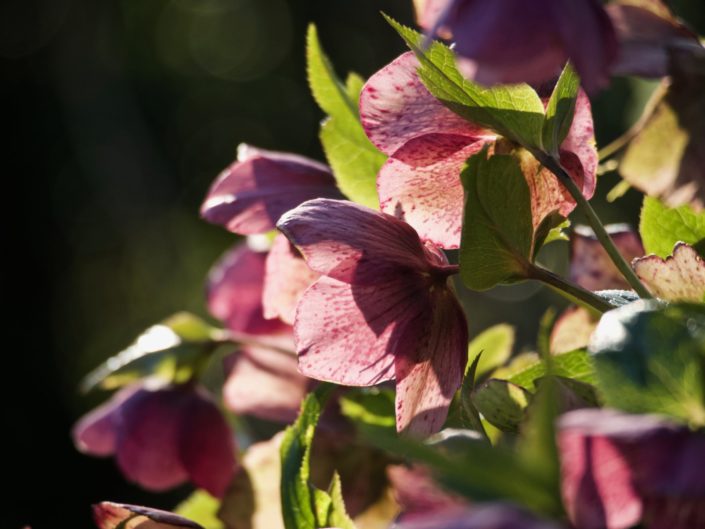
x,y
239,338
596,225
569,290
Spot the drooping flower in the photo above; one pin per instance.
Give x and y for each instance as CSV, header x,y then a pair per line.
x,y
234,292
162,437
250,195
428,145
109,515
678,277
244,287
618,470
514,41
382,311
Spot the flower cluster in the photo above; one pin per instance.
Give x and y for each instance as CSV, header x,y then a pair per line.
x,y
342,314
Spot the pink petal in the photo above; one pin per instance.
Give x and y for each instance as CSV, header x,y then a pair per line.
x,y
580,142
109,515
596,480
396,107
265,384
679,277
286,277
353,243
572,330
147,444
250,195
418,494
431,354
348,334
206,444
234,292
428,12
420,184
591,267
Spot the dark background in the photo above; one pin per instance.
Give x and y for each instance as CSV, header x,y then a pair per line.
x,y
117,116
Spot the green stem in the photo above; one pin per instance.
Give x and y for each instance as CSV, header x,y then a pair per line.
x,y
595,224
569,290
238,338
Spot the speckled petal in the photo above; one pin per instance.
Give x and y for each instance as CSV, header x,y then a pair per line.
x,y
580,144
420,184
348,334
679,277
353,243
206,444
591,267
286,278
430,361
395,107
265,384
250,195
234,292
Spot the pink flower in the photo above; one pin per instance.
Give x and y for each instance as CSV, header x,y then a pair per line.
x,y
382,311
514,41
619,470
162,437
249,196
428,145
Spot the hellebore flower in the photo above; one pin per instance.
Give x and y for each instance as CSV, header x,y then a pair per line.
x,y
428,145
234,292
162,437
264,383
249,196
618,470
382,311
514,41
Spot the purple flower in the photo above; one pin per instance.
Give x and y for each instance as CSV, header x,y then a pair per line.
x,y
490,516
162,437
382,311
514,41
618,470
249,196
428,146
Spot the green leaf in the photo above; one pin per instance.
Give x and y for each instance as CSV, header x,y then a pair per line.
x,y
172,349
501,403
618,298
351,155
575,364
650,358
202,508
495,343
662,227
480,472
304,506
560,110
514,111
353,87
469,414
495,247
372,406
338,517
354,160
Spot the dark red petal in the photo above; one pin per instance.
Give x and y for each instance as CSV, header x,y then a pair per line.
x,y
250,195
206,444
234,292
148,438
266,384
286,278
353,243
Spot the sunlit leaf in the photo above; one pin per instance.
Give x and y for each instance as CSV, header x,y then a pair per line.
x,y
662,227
